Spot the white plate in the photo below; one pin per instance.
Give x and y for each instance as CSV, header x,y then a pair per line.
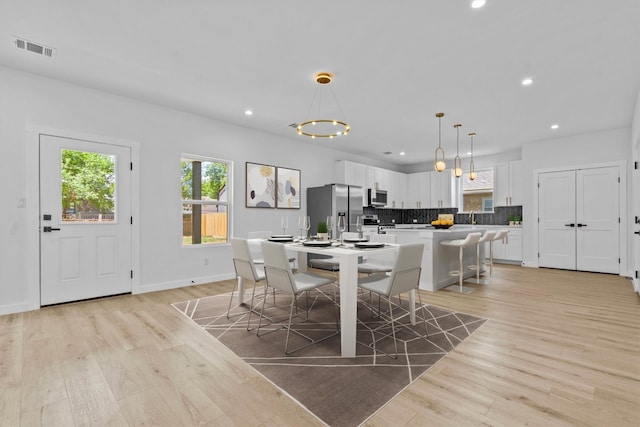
x,y
282,236
356,240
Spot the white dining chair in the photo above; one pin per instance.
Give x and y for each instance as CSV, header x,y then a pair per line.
x,y
331,263
382,263
280,276
246,270
404,277
257,253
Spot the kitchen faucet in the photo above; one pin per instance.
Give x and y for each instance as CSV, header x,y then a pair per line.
x,y
472,218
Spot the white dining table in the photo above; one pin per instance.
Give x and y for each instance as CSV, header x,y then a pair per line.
x,y
347,256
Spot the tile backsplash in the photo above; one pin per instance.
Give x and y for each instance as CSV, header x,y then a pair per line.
x,y
500,216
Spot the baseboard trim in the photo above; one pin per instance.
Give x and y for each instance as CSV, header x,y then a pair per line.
x,y
15,308
174,284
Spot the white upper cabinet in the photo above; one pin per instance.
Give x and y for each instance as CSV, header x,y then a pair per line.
x,y
382,179
397,189
418,190
507,184
350,173
441,189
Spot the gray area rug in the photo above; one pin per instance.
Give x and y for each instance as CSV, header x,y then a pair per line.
x,y
339,391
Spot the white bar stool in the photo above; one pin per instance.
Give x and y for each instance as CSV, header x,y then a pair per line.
x,y
470,240
486,237
500,235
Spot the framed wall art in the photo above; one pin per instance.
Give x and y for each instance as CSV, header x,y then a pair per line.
x,y
288,188
261,184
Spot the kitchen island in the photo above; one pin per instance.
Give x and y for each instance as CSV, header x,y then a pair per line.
x,y
439,260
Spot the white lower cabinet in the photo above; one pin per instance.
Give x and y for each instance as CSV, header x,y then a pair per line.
x,y
510,248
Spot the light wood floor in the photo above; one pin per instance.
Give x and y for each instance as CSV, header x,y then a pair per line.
x,y
559,348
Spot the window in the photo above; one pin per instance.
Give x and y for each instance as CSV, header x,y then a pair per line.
x,y
205,200
477,195
88,187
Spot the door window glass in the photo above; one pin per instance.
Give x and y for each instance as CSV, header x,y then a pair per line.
x,y
88,187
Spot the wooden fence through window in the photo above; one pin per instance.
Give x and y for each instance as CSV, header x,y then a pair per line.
x,y
214,224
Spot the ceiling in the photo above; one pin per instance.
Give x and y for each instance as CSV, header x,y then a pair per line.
x,y
395,64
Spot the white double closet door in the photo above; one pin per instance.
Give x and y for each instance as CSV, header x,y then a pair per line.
x,y
579,219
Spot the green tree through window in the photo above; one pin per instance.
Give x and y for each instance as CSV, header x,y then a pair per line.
x,y
88,183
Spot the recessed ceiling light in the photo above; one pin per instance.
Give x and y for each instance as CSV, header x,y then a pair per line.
x,y
248,112
402,153
477,3
554,126
527,81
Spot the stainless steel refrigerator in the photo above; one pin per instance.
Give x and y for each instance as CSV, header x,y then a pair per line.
x,y
334,200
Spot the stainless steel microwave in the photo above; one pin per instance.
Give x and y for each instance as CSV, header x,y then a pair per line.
x,y
377,198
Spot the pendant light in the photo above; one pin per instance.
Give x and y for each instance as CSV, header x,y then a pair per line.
x,y
472,168
457,162
323,127
439,161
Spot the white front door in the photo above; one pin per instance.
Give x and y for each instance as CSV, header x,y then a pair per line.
x,y
85,219
579,213
557,213
598,220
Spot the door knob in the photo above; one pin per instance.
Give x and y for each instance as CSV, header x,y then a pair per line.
x,y
48,229
570,225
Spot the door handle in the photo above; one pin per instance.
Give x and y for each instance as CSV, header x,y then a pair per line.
x,y
582,225
570,225
637,232
48,229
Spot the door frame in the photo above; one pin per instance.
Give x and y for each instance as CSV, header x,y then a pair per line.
x,y
634,188
32,139
624,218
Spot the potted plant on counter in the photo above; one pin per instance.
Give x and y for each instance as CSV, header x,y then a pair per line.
x,y
322,231
515,220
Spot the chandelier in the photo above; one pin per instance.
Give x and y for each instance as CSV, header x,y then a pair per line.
x,y
322,127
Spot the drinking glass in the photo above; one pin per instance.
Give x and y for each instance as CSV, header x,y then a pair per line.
x,y
359,226
284,223
342,226
307,225
301,226
329,226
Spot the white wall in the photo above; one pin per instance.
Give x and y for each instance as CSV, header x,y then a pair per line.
x,y
29,101
580,150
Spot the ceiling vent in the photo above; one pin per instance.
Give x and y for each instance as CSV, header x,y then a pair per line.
x,y
33,47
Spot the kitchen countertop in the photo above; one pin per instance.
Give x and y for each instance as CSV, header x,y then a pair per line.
x,y
455,227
